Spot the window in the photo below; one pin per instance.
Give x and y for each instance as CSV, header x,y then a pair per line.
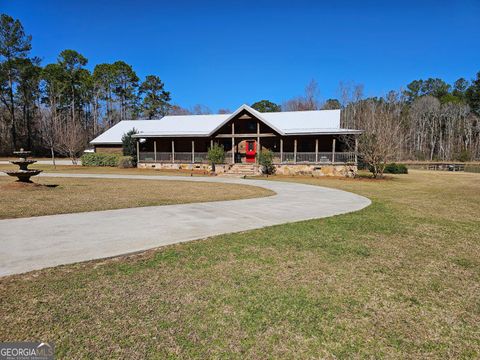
x,y
252,126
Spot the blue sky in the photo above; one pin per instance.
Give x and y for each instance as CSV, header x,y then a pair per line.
x,y
225,53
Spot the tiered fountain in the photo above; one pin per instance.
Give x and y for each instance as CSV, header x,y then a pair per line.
x,y
24,173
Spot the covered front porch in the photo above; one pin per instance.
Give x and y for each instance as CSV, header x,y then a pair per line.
x,y
325,149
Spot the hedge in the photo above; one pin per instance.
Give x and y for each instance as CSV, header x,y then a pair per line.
x,y
394,168
100,159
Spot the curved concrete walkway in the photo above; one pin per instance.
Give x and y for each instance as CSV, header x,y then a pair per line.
x,y
33,243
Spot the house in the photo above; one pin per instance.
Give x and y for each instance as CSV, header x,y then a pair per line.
x,y
302,142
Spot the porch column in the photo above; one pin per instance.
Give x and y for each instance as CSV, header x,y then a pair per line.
x,y
138,151
193,151
356,150
281,150
233,143
316,150
259,146
211,143
155,150
333,150
173,151
295,151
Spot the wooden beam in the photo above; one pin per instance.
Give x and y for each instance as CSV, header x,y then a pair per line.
x,y
333,150
138,151
233,142
281,150
155,150
295,151
356,150
245,135
193,151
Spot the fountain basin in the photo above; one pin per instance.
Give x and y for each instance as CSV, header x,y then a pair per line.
x,y
23,175
23,162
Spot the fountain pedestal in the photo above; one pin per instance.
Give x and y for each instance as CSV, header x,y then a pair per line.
x,y
24,173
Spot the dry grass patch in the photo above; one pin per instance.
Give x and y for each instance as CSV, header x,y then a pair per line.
x,y
79,169
399,279
50,196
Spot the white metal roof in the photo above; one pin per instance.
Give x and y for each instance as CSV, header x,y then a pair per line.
x,y
285,123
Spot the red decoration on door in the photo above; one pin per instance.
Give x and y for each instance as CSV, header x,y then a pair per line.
x,y
251,151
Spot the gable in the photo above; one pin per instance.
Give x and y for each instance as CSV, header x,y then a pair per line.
x,y
245,114
244,123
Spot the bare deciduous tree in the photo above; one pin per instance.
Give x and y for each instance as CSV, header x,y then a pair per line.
x,y
200,109
48,126
309,101
70,139
378,144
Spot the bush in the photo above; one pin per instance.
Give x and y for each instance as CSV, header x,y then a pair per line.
x,y
129,145
216,155
464,156
100,159
265,160
126,162
394,168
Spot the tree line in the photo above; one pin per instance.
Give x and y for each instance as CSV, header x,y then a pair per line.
x,y
59,107
428,120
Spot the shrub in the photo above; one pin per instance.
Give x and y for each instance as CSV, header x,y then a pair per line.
x,y
100,159
464,156
216,155
129,145
126,162
265,160
394,168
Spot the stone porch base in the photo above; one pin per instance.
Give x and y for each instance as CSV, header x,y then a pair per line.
x,y
283,169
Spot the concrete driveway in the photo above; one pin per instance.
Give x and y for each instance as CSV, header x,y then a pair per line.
x,y
38,242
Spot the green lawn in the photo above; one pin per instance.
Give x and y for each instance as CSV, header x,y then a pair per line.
x,y
399,279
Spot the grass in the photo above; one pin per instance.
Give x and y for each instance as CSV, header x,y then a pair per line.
x,y
79,169
79,195
399,279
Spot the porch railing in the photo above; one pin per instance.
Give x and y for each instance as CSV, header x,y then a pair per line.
x,y
278,158
169,157
313,158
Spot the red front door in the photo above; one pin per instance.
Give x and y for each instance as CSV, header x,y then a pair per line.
x,y
251,151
